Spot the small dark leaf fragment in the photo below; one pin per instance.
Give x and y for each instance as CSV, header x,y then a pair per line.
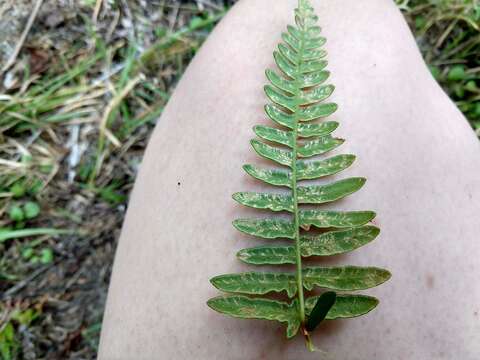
x,y
321,309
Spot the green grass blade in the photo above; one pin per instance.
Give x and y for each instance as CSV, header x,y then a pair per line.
x,y
6,234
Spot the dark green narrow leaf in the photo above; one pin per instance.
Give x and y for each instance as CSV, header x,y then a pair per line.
x,y
282,157
346,306
323,305
275,202
257,308
256,283
280,82
344,278
322,129
270,176
279,116
337,219
316,169
266,228
319,146
319,194
275,135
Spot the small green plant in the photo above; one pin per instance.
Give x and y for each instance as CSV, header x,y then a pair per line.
x,y
9,343
28,211
298,98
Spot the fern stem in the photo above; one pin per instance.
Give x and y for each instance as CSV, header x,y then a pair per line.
x,y
299,277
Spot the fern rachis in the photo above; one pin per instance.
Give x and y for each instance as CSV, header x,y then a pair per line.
x,y
298,97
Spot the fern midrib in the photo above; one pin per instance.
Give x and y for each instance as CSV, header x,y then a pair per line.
x,y
298,254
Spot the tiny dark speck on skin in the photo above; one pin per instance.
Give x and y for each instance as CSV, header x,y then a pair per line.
x,y
430,281
178,183
475,313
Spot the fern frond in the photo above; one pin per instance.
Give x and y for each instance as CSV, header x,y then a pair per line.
x,y
298,96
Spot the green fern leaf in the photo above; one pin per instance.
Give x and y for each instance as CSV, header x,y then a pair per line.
x,y
326,244
275,135
240,306
312,79
256,283
316,111
279,116
258,308
318,146
319,194
266,228
310,130
297,93
307,170
317,94
345,278
270,176
336,219
282,157
275,202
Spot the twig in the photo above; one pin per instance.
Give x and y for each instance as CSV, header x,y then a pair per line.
x,y
96,11
114,103
19,46
20,285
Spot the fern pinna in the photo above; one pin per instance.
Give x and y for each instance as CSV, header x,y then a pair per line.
x,y
297,99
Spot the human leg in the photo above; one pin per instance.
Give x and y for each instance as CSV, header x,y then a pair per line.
x,y
415,148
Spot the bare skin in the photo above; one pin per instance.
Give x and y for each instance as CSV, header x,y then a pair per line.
x,y
417,151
